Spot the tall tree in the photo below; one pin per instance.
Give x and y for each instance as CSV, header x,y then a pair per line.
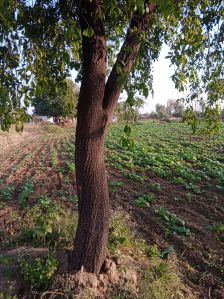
x,y
161,111
117,41
60,103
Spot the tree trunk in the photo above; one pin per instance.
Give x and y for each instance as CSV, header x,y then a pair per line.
x,y
92,231
96,105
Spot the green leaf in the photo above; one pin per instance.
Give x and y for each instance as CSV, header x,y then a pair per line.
x,y
88,32
127,130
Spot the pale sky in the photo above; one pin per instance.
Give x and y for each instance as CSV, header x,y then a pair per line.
x,y
163,86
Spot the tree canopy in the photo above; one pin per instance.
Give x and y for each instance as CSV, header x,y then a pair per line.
x,y
40,42
57,104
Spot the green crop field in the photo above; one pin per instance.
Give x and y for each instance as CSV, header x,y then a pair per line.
x,y
170,184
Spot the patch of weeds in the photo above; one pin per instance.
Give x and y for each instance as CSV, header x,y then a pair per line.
x,y
189,196
218,229
49,223
70,166
54,158
159,281
66,180
45,216
155,186
173,224
7,192
26,191
166,252
135,177
119,234
39,272
7,296
6,260
196,189
113,185
74,199
2,204
144,200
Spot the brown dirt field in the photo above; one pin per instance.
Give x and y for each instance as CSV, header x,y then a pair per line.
x,y
200,255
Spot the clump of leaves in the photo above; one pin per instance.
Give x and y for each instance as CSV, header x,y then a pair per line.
x,y
113,185
54,158
135,177
218,229
39,272
119,234
155,187
70,166
7,296
173,224
7,192
46,216
144,200
26,191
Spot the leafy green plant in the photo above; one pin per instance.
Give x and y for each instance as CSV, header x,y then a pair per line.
x,y
7,192
113,185
54,158
70,166
144,200
173,224
46,215
39,272
119,234
26,191
2,205
218,229
135,177
155,186
7,296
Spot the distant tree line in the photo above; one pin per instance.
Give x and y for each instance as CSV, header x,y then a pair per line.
x,y
173,108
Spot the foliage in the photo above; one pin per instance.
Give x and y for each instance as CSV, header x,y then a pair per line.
x,y
173,224
7,192
170,151
26,191
57,104
41,43
161,111
46,217
144,200
174,108
218,229
39,272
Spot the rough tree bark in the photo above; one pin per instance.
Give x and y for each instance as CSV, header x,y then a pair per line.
x,y
95,108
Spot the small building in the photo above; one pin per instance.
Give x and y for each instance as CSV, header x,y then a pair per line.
x,y
114,119
43,118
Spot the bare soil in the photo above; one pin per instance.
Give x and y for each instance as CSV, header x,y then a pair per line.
x,y
201,254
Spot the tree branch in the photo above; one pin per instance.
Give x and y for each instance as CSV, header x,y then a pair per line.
x,y
126,58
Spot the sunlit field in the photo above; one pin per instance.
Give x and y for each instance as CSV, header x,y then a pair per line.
x,y
167,190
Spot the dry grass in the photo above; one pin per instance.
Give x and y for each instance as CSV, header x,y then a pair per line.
x,y
12,138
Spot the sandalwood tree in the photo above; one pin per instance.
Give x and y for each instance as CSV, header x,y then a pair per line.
x,y
112,45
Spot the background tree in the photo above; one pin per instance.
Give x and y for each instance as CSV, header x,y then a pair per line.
x,y
161,111
61,103
43,40
175,108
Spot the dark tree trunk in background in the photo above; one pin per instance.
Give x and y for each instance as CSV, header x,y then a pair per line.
x,y
95,108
